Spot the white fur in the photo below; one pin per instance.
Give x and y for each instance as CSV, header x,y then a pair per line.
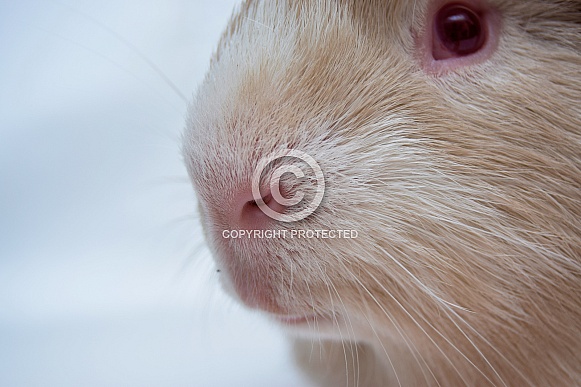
x,y
465,189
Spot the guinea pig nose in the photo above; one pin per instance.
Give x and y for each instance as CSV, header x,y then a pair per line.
x,y
247,213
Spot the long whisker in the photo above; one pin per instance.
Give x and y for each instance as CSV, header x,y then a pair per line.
x,y
130,46
405,338
352,341
486,341
339,330
430,338
476,348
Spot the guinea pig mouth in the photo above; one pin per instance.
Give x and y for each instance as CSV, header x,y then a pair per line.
x,y
297,320
304,323
316,325
258,285
251,280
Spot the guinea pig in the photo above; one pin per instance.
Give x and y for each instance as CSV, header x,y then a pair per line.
x,y
398,185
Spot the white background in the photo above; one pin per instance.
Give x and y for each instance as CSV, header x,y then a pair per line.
x,y
104,278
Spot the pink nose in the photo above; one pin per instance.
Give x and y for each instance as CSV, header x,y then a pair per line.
x,y
246,213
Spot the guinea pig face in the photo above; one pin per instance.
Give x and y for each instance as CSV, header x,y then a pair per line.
x,y
448,136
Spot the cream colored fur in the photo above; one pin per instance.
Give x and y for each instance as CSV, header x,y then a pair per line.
x,y
465,188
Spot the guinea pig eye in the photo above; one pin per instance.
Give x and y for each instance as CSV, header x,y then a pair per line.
x,y
458,31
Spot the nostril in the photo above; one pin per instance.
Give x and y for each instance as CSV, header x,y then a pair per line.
x,y
272,203
268,199
250,207
248,214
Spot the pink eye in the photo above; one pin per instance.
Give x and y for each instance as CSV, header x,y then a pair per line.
x,y
458,31
458,34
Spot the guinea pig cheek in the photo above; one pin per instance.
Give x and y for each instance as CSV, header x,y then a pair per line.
x,y
457,35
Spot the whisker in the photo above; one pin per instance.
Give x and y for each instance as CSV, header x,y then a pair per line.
x,y
352,341
405,338
430,338
130,46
